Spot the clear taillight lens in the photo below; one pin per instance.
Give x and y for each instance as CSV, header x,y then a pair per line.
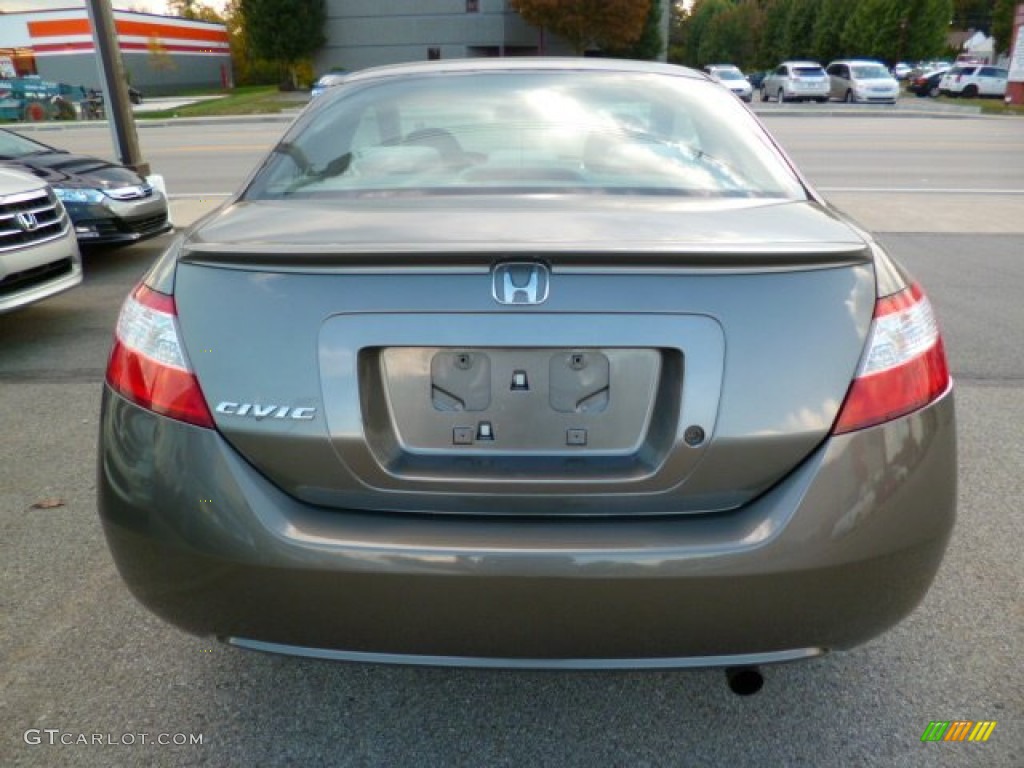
x,y
904,366
148,364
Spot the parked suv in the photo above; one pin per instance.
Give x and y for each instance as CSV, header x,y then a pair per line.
x,y
796,81
38,251
732,78
973,80
862,82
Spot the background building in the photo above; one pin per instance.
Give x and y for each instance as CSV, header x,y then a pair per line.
x,y
161,54
366,33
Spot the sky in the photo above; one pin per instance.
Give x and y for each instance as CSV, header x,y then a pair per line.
x,y
146,6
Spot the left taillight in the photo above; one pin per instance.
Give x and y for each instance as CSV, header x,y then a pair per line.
x,y
904,365
148,364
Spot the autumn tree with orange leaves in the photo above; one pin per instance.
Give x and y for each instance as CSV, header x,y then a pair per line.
x,y
583,23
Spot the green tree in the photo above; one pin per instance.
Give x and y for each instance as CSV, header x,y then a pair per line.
x,y
284,31
733,35
827,32
651,43
159,59
894,30
248,68
972,14
1002,25
869,28
774,47
800,28
186,9
924,30
609,24
697,24
678,34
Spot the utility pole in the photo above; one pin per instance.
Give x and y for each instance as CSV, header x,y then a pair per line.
x,y
115,87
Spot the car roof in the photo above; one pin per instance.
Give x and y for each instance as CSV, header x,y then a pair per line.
x,y
800,63
857,61
534,64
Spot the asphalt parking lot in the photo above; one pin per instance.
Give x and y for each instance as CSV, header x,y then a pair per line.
x,y
79,658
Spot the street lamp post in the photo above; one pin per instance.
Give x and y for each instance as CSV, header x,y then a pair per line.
x,y
115,89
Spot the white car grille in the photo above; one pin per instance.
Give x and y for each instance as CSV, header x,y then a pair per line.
x,y
28,218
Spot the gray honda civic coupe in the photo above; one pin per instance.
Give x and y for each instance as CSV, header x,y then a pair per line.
x,y
529,363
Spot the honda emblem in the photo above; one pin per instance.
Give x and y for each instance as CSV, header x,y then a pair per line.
x,y
27,221
520,283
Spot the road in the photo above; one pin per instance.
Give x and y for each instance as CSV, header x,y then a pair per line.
x,y
78,656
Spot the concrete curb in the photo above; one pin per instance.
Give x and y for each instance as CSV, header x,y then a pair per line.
x,y
900,110
71,125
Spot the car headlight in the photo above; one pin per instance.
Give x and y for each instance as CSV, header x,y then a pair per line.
x,y
79,195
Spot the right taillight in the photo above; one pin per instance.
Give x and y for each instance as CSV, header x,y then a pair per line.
x,y
904,365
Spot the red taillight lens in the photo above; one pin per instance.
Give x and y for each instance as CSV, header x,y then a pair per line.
x,y
148,364
904,367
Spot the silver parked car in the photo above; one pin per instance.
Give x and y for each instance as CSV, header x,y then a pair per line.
x,y
862,82
796,81
732,78
528,362
38,252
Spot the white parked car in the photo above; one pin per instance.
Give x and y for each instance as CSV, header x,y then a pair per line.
x,y
38,250
902,71
974,80
732,78
331,79
796,81
864,82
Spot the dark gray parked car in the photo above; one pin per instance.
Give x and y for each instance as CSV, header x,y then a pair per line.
x,y
528,362
108,203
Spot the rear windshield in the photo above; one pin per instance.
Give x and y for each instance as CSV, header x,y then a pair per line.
x,y
809,71
513,131
870,72
729,74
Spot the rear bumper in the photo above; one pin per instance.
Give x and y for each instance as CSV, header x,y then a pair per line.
x,y
842,549
886,99
804,95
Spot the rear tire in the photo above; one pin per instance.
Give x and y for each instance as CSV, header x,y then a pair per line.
x,y
764,94
35,112
971,92
933,92
848,98
781,96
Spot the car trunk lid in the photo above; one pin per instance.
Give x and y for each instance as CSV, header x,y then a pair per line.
x,y
366,359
